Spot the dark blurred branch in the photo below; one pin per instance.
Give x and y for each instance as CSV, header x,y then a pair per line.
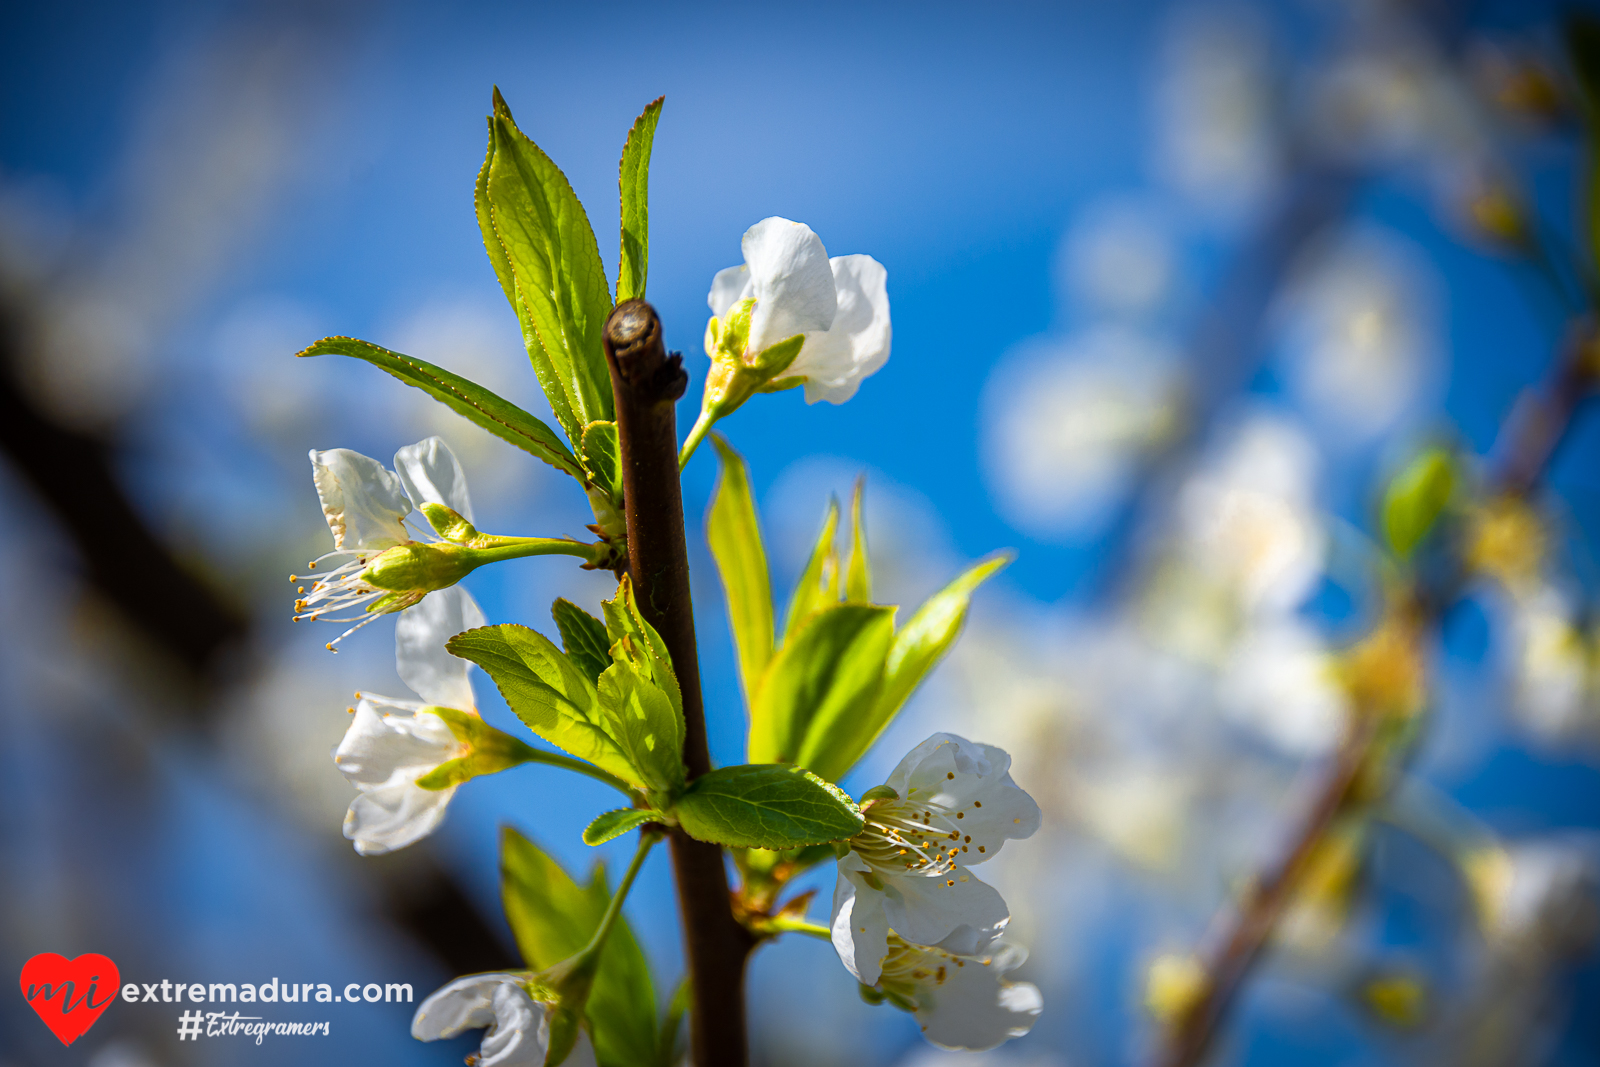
x,y
1531,435
123,560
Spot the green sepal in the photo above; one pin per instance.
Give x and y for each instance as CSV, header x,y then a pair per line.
x,y
548,692
612,824
583,636
471,401
826,675
557,277
733,530
553,918
633,180
1415,499
448,523
770,806
489,750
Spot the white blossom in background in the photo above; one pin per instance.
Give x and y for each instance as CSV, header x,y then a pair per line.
x,y
1279,683
841,305
961,1001
366,506
1555,666
1357,333
1537,895
1218,131
518,1032
1065,427
1247,517
954,806
1119,257
391,743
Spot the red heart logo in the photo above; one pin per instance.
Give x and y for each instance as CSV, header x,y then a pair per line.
x,y
69,995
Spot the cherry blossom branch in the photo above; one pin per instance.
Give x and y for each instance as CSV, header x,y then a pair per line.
x,y
647,383
1532,434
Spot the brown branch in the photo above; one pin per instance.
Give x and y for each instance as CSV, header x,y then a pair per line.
x,y
646,383
1531,436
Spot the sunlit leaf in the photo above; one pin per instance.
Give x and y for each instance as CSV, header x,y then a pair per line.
x,y
634,179
766,806
734,533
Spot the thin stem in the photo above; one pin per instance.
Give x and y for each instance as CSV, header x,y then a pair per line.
x,y
647,841
702,426
494,548
787,924
538,755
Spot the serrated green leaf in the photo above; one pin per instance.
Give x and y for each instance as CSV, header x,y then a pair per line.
x,y
472,401
491,751
583,636
612,824
555,265
830,670
602,457
634,181
639,715
858,571
818,586
624,620
769,806
550,380
547,691
734,532
1415,499
553,918
916,649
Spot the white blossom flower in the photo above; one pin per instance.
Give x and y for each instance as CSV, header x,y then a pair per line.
x,y
960,1001
839,304
954,805
391,743
518,1026
366,507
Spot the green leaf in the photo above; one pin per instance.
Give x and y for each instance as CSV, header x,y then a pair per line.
x,y
829,671
584,637
640,716
547,691
612,824
478,405
916,649
766,806
553,918
858,571
555,266
624,620
819,582
634,179
491,751
734,532
602,457
1415,499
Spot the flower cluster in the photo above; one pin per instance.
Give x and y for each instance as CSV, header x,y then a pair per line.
x,y
911,920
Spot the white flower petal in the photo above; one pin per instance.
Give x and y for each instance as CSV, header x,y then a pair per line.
x,y
730,286
860,929
791,281
389,817
432,474
993,808
419,647
975,1009
382,749
959,913
835,361
363,502
521,1031
464,1004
